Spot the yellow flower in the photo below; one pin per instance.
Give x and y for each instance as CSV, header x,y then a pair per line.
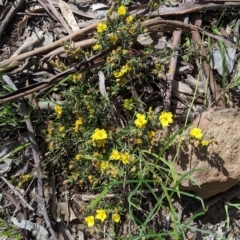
x,y
97,47
113,38
121,10
117,74
101,215
61,129
115,155
138,141
96,154
125,157
25,177
151,134
166,118
101,27
102,166
141,121
74,78
100,143
74,176
77,77
116,217
90,177
50,131
99,137
205,142
51,146
58,110
89,220
125,68
113,171
99,134
196,133
78,157
132,30
78,123
109,59
128,104
150,114
129,19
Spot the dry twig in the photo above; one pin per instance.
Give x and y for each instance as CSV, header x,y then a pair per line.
x,y
192,7
208,71
74,36
7,19
22,200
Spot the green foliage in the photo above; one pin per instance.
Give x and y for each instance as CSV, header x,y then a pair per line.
x,y
15,150
107,139
8,231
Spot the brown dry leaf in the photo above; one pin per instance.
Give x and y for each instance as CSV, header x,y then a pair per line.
x,y
97,6
81,2
66,212
68,15
26,17
75,9
182,87
23,23
29,43
193,83
37,230
5,166
144,39
102,84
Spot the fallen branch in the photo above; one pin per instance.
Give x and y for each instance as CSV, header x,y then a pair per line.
x,y
59,18
81,44
74,36
172,69
156,24
192,7
85,65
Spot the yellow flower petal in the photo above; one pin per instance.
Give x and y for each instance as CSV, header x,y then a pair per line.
x,y
196,133
116,217
101,27
121,10
115,155
166,118
141,121
101,215
89,220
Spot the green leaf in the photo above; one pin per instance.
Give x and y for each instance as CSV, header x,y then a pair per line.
x,y
17,149
98,198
